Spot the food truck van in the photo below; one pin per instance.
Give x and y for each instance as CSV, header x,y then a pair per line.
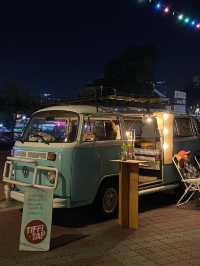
x,y
70,148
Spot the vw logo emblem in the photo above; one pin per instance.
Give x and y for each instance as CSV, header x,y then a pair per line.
x,y
25,171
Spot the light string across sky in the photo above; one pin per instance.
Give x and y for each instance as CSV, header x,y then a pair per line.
x,y
168,10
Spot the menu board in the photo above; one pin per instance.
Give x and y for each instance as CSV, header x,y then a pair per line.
x,y
36,219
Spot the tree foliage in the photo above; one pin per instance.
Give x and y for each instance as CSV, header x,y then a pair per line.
x,y
16,98
133,71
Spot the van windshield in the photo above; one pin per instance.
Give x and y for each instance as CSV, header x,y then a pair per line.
x,y
52,127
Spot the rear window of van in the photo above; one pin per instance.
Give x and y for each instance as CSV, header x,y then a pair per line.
x,y
197,126
183,127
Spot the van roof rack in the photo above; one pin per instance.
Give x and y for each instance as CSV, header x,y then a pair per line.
x,y
123,103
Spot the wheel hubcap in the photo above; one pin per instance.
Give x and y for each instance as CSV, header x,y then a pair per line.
x,y
110,200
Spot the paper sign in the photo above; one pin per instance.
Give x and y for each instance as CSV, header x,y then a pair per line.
x,y
36,219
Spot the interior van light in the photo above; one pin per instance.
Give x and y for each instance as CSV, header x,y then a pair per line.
x,y
149,120
165,116
165,146
51,156
165,131
129,135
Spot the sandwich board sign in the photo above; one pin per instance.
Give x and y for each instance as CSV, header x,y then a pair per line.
x,y
36,219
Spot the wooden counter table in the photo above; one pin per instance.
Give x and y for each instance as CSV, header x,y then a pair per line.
x,y
128,192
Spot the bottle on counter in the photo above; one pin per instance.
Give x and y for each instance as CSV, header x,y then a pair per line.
x,y
124,151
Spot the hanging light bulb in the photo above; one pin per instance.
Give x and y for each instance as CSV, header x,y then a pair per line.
x,y
165,131
186,20
180,17
165,146
165,116
198,26
158,6
166,10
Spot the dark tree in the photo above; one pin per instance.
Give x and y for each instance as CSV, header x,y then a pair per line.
x,y
16,99
133,71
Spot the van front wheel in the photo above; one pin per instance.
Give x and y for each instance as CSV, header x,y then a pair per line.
x,y
107,200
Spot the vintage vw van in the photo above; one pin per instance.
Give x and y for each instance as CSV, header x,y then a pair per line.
x,y
70,148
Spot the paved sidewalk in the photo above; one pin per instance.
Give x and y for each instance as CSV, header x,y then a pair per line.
x,y
166,236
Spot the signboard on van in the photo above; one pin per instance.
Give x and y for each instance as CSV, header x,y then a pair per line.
x,y
36,219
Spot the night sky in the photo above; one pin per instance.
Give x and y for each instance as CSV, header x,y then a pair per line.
x,y
61,46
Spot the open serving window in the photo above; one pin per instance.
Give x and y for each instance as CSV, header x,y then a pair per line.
x,y
147,142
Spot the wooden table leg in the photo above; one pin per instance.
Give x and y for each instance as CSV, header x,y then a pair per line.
x,y
124,195
133,196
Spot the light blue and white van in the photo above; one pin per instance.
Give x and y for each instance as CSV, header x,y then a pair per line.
x,y
70,148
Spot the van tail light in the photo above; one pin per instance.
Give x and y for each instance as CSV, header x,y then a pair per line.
x,y
51,156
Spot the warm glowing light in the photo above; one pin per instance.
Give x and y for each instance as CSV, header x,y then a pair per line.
x,y
165,116
165,131
149,120
165,146
129,135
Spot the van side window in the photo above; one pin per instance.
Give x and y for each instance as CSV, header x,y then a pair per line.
x,y
184,127
100,130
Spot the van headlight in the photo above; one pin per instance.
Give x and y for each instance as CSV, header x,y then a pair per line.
x,y
51,177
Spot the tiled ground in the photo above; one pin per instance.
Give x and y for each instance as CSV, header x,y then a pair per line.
x,y
167,236
2,196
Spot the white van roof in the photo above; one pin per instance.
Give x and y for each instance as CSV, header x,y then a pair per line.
x,y
80,109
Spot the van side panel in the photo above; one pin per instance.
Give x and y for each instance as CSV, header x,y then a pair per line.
x,y
170,174
188,143
91,163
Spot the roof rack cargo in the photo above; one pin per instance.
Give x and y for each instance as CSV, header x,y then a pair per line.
x,y
123,103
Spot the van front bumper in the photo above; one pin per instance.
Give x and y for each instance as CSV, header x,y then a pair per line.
x,y
57,202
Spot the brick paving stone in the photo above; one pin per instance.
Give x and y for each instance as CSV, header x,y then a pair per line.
x,y
2,195
166,236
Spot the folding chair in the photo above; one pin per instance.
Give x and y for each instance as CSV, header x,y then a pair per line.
x,y
197,159
192,185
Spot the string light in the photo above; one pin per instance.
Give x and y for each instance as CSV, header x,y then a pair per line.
x,y
168,10
180,17
158,6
